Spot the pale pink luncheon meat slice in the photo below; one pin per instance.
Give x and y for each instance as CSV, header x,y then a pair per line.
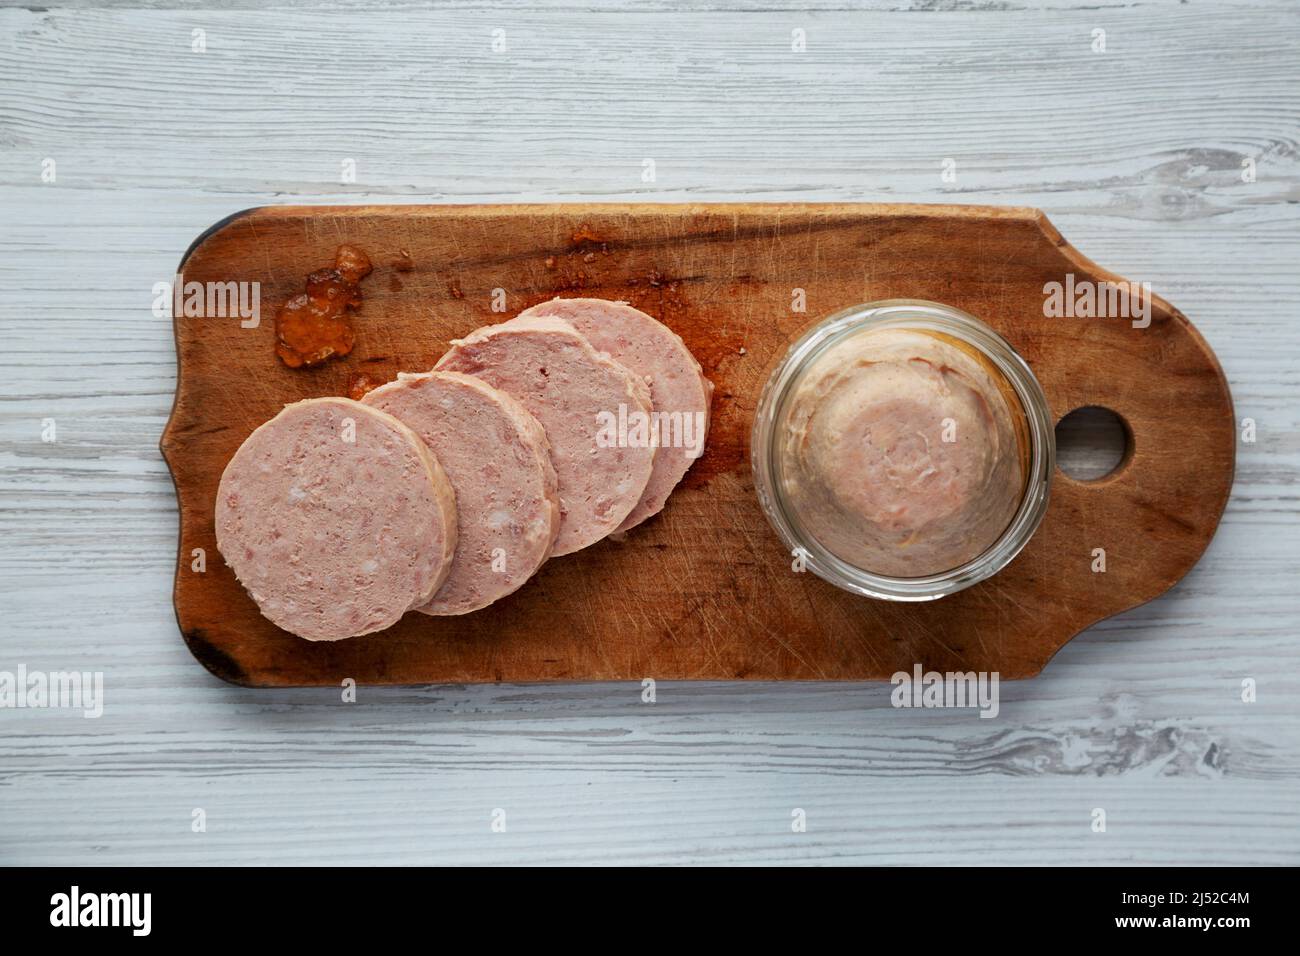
x,y
678,389
569,387
336,518
496,455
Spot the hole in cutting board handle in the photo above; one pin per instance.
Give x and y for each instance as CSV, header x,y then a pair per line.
x,y
1092,443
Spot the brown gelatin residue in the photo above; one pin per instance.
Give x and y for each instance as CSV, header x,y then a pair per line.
x,y
315,325
359,385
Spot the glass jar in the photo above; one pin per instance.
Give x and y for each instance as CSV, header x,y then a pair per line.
x,y
818,514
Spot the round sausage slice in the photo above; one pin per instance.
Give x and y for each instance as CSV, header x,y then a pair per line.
x,y
498,461
336,518
678,389
572,390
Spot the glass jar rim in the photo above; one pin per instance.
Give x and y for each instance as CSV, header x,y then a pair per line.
x,y
915,314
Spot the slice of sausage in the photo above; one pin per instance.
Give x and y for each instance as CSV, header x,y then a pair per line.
x,y
678,389
498,461
568,386
336,518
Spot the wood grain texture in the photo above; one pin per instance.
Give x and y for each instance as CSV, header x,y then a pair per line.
x,y
1135,155
705,590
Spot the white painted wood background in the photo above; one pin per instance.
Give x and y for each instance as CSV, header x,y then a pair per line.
x,y
1135,153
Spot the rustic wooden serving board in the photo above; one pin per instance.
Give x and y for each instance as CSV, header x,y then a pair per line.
x,y
705,590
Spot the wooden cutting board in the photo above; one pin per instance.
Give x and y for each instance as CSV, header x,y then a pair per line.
x,y
705,590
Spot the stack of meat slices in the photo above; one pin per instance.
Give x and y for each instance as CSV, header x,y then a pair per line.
x,y
446,490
